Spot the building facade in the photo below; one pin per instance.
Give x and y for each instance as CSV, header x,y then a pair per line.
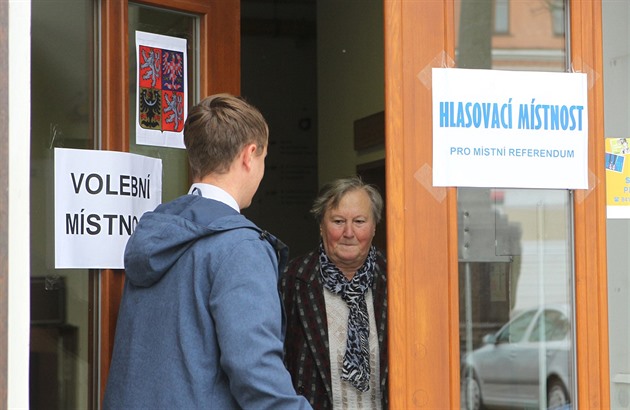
x,y
467,267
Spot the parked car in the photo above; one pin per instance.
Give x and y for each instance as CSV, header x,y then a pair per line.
x,y
527,361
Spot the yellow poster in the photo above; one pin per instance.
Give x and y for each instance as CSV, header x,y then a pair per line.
x,y
617,178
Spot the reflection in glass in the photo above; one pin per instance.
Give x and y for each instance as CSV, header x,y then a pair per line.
x,y
515,253
515,298
63,306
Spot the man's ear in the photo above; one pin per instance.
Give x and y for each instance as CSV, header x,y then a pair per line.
x,y
246,155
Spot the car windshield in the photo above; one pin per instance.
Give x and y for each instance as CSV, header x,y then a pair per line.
x,y
514,331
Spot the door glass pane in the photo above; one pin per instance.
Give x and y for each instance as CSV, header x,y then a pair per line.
x,y
175,180
515,245
63,308
616,63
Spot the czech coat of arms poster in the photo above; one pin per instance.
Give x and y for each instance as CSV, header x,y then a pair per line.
x,y
162,91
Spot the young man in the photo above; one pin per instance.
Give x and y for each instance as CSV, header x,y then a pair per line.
x,y
200,322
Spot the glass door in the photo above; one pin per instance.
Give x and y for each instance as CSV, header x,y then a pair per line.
x,y
63,308
515,245
530,248
516,298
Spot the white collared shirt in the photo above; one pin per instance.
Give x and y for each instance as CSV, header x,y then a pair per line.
x,y
214,192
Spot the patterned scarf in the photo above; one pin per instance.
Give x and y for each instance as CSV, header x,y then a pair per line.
x,y
356,361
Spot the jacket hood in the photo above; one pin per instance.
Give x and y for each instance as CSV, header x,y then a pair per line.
x,y
163,235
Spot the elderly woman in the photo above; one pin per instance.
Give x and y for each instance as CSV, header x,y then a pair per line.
x,y
336,304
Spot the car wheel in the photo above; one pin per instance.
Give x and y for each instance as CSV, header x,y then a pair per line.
x,y
471,392
557,395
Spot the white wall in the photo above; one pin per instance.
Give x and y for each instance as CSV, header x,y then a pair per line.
x,y
19,154
350,80
616,62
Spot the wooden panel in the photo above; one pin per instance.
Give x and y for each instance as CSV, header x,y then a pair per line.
x,y
221,58
220,49
591,303
219,66
422,231
115,137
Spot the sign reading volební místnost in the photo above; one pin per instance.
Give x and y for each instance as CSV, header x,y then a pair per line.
x,y
99,199
509,129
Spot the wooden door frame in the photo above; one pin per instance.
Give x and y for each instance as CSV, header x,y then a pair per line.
x,y
422,219
422,262
219,71
591,284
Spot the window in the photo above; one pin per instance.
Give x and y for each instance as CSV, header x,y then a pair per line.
x,y
501,16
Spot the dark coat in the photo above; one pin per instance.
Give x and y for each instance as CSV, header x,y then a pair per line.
x,y
306,343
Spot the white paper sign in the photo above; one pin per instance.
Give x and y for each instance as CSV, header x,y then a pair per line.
x,y
509,129
99,199
162,91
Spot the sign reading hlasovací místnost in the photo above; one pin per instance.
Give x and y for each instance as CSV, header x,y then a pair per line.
x,y
509,129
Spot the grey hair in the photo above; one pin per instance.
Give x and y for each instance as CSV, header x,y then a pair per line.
x,y
330,195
